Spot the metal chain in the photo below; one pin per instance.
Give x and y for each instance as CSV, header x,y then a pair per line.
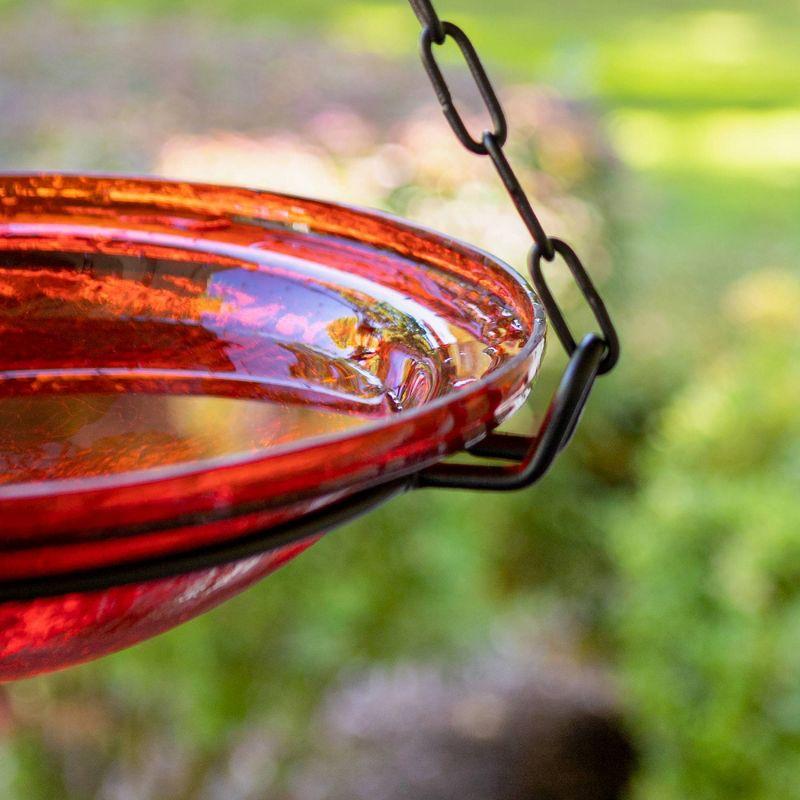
x,y
435,32
596,354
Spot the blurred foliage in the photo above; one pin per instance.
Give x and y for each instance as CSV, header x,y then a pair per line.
x,y
708,611
667,535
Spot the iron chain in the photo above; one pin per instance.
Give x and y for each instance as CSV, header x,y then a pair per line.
x,y
435,32
596,354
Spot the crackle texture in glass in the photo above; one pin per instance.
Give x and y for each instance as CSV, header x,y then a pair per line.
x,y
173,353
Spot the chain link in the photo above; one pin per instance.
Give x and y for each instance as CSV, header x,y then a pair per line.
x,y
584,282
494,149
435,32
482,81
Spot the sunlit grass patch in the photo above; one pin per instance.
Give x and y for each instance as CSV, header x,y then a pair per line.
x,y
385,30
709,58
765,144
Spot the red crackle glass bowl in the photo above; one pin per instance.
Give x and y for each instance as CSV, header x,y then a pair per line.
x,y
185,364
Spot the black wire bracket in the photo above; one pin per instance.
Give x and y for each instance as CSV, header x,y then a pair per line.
x,y
536,453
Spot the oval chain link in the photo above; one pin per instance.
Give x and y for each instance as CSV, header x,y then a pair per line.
x,y
482,81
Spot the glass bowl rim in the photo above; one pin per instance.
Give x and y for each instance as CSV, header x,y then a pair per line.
x,y
130,478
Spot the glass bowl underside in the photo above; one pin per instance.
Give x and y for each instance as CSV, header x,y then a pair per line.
x,y
185,364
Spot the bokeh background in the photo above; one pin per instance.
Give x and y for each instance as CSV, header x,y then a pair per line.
x,y
647,595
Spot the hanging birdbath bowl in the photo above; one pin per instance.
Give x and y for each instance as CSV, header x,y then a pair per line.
x,y
197,381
